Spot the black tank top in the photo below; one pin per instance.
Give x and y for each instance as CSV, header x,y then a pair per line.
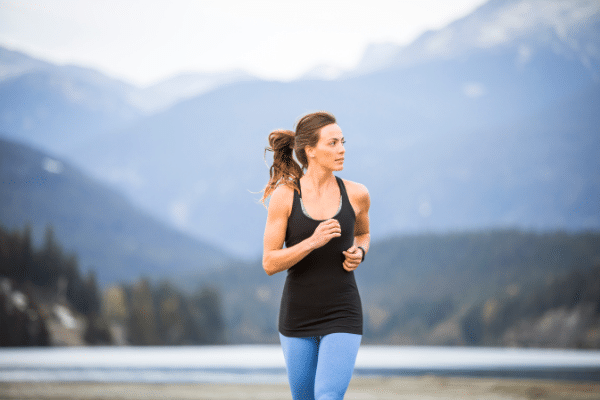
x,y
319,296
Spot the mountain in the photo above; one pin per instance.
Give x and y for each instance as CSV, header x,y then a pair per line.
x,y
164,94
93,221
474,141
569,28
60,107
57,108
14,63
489,122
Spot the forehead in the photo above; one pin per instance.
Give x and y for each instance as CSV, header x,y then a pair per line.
x,y
331,131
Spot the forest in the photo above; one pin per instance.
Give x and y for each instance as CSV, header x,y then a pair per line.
x,y
487,288
501,287
45,300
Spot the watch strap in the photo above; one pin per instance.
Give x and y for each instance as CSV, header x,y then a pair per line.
x,y
364,253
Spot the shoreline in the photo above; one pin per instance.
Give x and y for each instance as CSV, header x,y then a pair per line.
x,y
384,388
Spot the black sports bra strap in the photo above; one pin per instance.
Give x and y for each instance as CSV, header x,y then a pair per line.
x,y
343,192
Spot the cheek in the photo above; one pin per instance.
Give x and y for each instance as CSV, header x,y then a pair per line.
x,y
324,152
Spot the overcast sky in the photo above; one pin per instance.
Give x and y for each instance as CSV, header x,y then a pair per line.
x,y
144,41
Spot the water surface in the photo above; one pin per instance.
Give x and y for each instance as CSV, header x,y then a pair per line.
x,y
265,363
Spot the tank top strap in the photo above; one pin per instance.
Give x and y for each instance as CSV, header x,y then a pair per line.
x,y
343,192
297,200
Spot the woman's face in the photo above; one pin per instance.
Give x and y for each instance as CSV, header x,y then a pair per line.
x,y
329,151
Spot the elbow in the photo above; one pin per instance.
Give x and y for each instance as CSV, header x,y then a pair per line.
x,y
267,266
268,270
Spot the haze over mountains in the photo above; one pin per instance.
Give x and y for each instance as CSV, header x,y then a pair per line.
x,y
101,227
490,122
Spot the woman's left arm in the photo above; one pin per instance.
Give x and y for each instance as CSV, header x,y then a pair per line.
x,y
361,202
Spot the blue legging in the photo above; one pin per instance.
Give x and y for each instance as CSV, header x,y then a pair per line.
x,y
320,367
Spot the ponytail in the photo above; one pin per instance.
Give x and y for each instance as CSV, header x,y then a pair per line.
x,y
285,170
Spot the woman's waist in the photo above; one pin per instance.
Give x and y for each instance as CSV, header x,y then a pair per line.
x,y
321,261
330,288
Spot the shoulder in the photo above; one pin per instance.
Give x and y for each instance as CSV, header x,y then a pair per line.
x,y
358,193
281,199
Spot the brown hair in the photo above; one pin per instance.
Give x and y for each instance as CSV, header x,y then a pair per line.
x,y
285,170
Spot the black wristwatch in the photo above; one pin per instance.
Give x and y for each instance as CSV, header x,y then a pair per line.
x,y
364,253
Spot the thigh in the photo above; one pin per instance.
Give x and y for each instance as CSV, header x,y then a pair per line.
x,y
337,356
301,360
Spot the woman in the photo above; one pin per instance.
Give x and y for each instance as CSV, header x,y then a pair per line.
x,y
324,223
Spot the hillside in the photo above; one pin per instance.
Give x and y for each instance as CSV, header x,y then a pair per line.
x,y
562,312
57,108
430,289
92,220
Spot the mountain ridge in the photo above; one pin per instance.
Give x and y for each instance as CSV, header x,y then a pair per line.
x,y
524,26
92,220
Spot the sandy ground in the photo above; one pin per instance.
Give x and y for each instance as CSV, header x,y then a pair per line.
x,y
360,388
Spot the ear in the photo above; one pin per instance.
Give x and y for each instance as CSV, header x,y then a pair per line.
x,y
310,152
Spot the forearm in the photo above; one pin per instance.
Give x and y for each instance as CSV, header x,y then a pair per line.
x,y
279,260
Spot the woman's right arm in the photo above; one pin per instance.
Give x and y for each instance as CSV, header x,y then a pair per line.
x,y
275,257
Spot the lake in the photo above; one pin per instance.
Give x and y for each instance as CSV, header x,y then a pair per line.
x,y
265,364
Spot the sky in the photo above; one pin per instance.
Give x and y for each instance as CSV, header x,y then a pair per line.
x,y
145,41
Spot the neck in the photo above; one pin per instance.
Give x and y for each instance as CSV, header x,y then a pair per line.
x,y
319,178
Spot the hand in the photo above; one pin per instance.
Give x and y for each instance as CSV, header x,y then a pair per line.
x,y
326,231
353,256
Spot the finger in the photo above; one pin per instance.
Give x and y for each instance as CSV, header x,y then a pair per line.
x,y
330,225
349,267
333,229
332,222
351,262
